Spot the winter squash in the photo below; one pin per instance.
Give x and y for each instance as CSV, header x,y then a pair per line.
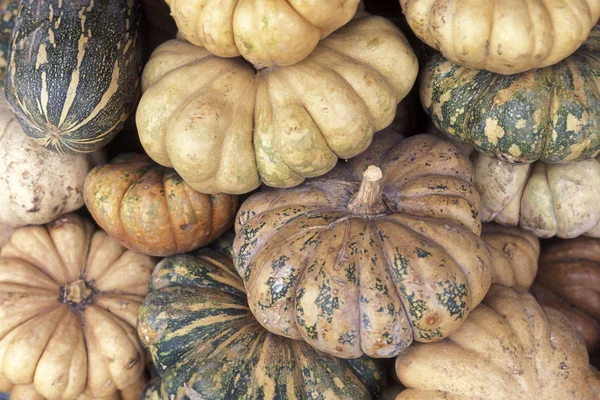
x,y
550,114
36,185
365,267
8,12
544,199
149,209
27,392
220,124
206,344
569,280
509,348
73,74
514,253
70,299
505,37
264,33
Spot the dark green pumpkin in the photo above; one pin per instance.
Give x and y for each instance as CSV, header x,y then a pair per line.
x,y
551,114
206,344
8,12
74,69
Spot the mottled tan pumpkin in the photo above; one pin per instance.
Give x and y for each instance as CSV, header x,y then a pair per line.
x,y
514,253
225,127
509,348
150,209
266,33
569,280
367,267
70,296
506,37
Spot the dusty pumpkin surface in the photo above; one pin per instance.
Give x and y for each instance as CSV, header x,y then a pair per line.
x,y
551,114
150,209
509,348
569,280
69,300
206,344
224,127
266,33
367,267
544,199
514,253
505,37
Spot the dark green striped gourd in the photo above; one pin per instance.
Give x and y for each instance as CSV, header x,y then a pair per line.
x,y
8,12
206,344
551,114
73,73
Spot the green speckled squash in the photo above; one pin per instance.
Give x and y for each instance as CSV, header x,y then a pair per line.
x,y
550,114
73,73
8,12
367,267
206,344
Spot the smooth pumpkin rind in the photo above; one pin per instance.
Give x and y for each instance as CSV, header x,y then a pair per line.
x,y
548,114
505,37
206,344
220,125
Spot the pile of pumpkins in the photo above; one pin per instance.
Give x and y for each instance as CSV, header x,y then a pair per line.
x,y
245,199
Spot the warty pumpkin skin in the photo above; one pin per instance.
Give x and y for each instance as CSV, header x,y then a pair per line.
x,y
366,268
551,114
510,347
150,209
73,75
70,299
266,33
220,125
514,253
569,280
505,37
206,344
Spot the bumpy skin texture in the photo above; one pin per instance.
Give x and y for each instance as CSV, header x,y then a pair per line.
x,y
514,253
150,209
36,185
569,280
206,344
544,199
27,392
551,114
350,283
8,12
509,348
266,33
70,297
221,125
505,37
73,75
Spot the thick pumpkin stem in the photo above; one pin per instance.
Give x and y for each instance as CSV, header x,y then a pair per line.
x,y
76,292
368,200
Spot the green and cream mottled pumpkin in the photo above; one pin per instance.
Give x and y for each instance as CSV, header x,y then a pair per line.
x,y
73,74
8,12
367,267
550,114
224,127
206,344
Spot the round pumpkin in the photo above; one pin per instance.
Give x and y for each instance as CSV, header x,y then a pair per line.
x,y
36,185
73,75
544,199
266,33
505,37
365,267
514,253
70,296
206,344
149,209
569,280
551,114
509,348
221,125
